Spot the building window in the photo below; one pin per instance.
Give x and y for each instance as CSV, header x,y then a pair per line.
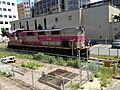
x,y
20,24
26,15
27,2
4,9
55,32
27,25
6,22
70,17
4,2
56,19
24,3
5,16
27,6
10,16
35,23
7,28
0,2
9,10
8,3
13,4
0,9
13,25
1,16
1,22
14,16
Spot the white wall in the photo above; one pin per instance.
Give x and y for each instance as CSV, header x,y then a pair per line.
x,y
63,20
97,21
13,12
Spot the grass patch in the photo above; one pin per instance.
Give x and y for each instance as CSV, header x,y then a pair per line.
x,y
106,57
57,60
5,53
32,65
104,73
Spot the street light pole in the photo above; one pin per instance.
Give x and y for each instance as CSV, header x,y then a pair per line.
x,y
112,2
59,8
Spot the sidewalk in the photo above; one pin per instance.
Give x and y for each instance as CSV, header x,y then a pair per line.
x,y
7,85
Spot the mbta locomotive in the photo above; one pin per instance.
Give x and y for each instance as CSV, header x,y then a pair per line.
x,y
66,41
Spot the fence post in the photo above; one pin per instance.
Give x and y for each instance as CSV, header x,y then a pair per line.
x,y
32,80
0,86
63,83
114,68
80,72
87,67
87,53
109,52
12,72
98,58
98,51
117,52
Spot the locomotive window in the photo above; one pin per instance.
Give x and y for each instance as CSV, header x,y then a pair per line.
x,y
30,34
55,32
41,33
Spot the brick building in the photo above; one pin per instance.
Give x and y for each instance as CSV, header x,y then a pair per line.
x,y
21,14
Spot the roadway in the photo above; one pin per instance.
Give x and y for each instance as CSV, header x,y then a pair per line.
x,y
104,49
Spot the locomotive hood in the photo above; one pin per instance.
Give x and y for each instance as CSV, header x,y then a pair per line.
x,y
12,31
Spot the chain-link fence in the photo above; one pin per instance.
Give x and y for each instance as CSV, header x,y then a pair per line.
x,y
50,76
47,77
105,50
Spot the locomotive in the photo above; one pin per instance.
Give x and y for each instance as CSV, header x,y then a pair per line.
x,y
66,41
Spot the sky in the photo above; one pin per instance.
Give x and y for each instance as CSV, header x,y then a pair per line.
x,y
95,1
19,1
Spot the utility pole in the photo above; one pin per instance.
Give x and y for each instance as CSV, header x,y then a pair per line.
x,y
112,2
80,4
59,7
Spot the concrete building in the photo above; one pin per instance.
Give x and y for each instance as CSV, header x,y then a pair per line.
x,y
8,12
21,13
113,2
99,21
44,7
25,9
74,4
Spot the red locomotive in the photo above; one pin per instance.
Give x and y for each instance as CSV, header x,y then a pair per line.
x,y
65,41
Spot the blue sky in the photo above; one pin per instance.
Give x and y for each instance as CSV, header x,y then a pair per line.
x,y
19,1
95,0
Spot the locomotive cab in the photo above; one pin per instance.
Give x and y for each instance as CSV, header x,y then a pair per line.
x,y
80,37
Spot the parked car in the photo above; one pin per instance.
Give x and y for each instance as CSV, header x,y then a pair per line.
x,y
90,42
116,44
10,59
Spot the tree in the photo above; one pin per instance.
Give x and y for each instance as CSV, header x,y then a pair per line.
x,y
4,32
